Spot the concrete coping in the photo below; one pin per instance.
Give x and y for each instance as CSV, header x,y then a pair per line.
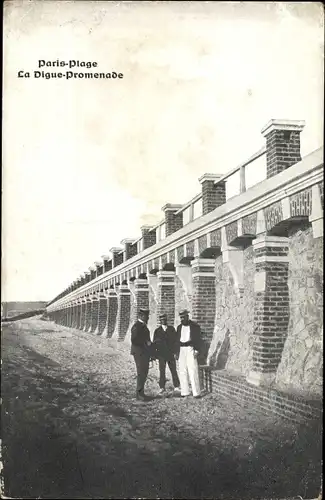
x,y
209,177
146,227
289,125
115,249
171,207
92,268
105,257
128,240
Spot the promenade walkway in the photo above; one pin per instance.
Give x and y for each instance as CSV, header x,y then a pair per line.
x,y
71,429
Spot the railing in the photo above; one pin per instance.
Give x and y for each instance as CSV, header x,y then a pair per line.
x,y
192,209
238,174
303,175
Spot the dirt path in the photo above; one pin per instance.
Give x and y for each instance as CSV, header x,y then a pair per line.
x,y
71,429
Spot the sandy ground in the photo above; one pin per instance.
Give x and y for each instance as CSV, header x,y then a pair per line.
x,y
71,428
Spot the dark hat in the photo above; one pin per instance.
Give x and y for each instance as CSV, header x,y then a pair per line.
x,y
184,312
144,311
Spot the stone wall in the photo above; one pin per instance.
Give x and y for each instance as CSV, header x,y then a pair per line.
x,y
234,318
302,359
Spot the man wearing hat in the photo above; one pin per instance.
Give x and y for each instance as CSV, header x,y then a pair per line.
x,y
188,348
164,342
141,350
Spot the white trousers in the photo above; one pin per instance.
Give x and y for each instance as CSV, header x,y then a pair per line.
x,y
188,372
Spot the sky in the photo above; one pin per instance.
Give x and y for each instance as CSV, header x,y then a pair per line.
x,y
86,163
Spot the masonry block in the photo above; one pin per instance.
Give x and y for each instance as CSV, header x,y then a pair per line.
x,y
141,297
173,220
282,144
112,306
99,268
271,309
166,295
87,321
74,315
117,256
102,313
68,317
204,299
78,315
107,263
123,312
82,314
92,271
213,192
94,313
148,237
130,248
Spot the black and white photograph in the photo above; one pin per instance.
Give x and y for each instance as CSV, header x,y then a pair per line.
x,y
162,250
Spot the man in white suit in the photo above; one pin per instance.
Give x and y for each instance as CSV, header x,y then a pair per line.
x,y
188,347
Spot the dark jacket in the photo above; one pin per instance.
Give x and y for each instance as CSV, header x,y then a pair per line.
x,y
195,336
164,342
140,335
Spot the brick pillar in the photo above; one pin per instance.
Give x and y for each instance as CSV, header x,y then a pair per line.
x,y
148,237
141,297
213,195
117,256
112,305
73,314
67,316
94,313
130,248
92,271
282,144
123,312
82,314
78,283
173,221
64,315
102,313
99,268
78,314
107,263
166,295
87,314
67,319
271,310
204,300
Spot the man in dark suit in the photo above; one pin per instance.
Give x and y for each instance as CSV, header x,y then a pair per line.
x,y
141,351
164,343
188,347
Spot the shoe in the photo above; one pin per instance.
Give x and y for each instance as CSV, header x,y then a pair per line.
x,y
177,390
185,395
198,396
162,391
